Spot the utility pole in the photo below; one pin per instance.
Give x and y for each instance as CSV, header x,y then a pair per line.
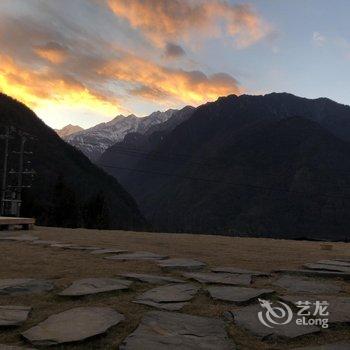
x,y
5,137
21,171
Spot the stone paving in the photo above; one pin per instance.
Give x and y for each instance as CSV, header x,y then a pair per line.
x,y
236,270
247,318
220,278
152,279
11,315
169,297
181,264
73,325
21,286
163,330
136,256
298,284
237,295
88,286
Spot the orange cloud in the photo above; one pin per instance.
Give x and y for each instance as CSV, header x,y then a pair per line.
x,y
37,89
164,20
52,52
156,82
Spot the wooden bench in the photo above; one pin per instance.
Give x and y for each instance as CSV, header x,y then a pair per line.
x,y
26,223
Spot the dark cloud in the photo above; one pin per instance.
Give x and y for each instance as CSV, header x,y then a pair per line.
x,y
174,51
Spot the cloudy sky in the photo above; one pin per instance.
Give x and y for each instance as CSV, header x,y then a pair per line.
x,y
86,61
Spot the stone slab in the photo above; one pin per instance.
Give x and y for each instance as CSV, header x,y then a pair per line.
x,y
62,245
181,264
247,318
236,270
168,297
220,278
316,273
136,256
43,242
333,346
73,325
299,284
13,347
339,307
237,295
20,286
13,315
19,238
108,251
334,262
161,330
81,247
87,286
152,279
325,267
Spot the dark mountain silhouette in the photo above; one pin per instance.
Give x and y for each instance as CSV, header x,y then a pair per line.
x,y
127,152
68,189
275,165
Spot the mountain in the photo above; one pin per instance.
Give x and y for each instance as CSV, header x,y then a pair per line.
x,y
68,130
94,141
122,154
68,189
275,165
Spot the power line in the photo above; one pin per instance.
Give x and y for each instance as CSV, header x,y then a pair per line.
x,y
256,187
146,155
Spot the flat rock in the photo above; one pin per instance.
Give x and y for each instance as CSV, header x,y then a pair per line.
x,y
160,330
137,256
181,264
298,284
11,315
220,278
62,245
327,267
334,262
247,318
236,270
316,273
89,286
237,295
152,279
108,251
333,346
81,247
73,325
168,297
20,238
13,347
20,286
339,307
43,242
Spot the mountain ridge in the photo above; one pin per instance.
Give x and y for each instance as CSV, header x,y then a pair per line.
x,y
235,140
68,190
94,141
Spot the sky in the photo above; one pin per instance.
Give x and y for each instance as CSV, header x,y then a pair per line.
x,y
84,62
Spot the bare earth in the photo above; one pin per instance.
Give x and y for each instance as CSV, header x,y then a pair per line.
x,y
23,260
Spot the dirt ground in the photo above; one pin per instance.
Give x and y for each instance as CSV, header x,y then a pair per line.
x,y
23,260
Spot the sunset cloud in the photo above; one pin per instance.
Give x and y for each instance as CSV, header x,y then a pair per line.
x,y
160,20
51,61
53,52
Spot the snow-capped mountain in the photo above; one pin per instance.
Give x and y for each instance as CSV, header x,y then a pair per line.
x,y
68,130
94,141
